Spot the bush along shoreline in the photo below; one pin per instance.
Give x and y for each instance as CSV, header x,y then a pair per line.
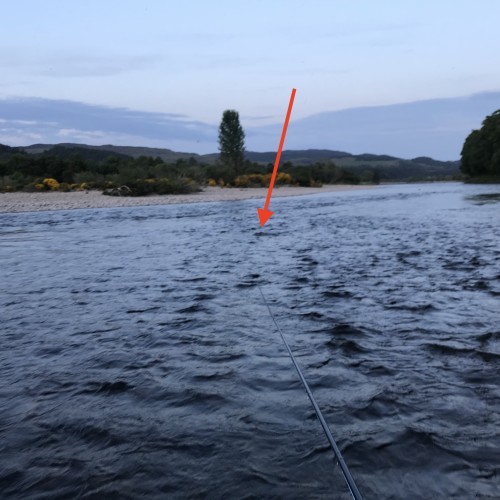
x,y
73,169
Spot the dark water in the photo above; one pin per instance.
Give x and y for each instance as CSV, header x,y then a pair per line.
x,y
138,360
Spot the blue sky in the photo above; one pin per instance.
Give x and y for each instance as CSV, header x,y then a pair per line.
x,y
190,60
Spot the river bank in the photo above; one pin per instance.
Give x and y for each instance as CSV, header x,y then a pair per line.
x,y
34,202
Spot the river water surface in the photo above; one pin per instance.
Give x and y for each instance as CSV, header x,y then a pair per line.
x,y
138,358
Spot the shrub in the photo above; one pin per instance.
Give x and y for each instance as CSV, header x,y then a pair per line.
x,y
284,178
52,184
252,180
144,187
90,179
6,184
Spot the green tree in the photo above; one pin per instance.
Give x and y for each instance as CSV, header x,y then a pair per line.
x,y
232,141
481,150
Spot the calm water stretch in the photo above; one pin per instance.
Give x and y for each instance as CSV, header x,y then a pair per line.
x,y
138,359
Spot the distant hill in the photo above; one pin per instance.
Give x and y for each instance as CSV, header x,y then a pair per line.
x,y
6,151
166,155
302,157
388,168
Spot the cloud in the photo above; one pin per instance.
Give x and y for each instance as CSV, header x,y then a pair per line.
x,y
19,137
258,118
71,65
434,127
55,120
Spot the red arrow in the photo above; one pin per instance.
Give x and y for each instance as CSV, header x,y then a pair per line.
x,y
265,213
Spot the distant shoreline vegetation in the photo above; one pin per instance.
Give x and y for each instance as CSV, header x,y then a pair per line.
x,y
483,180
81,167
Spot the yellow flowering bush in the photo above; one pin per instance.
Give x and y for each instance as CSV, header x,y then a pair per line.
x,y
52,184
212,182
241,181
40,187
284,178
263,180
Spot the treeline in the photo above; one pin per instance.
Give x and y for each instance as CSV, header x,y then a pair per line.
x,y
420,169
66,169
481,151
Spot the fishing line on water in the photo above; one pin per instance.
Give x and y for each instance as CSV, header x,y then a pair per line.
x,y
353,489
338,455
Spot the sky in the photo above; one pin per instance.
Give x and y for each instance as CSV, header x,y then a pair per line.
x,y
186,62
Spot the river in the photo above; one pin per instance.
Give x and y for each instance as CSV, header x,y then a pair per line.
x,y
139,360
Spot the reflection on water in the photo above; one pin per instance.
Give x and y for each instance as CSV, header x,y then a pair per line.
x,y
485,198
138,360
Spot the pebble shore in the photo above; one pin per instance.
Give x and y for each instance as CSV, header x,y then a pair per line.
x,y
33,202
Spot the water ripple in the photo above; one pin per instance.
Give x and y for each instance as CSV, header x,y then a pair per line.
x,y
137,359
